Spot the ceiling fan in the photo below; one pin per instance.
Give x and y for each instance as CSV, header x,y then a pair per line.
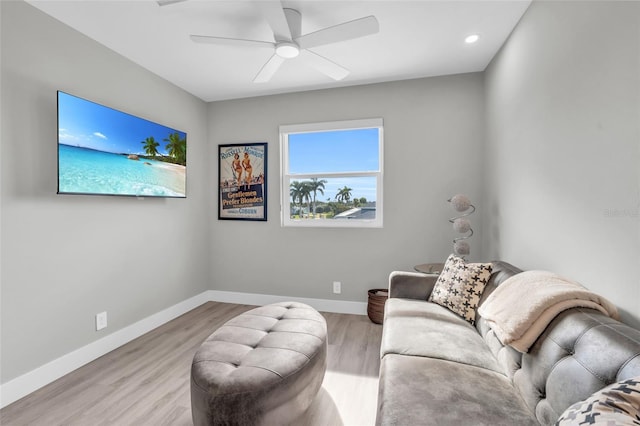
x,y
290,43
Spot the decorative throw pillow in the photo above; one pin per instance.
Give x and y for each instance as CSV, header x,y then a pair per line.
x,y
617,404
460,286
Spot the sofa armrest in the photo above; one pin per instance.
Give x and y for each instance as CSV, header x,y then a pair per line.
x,y
411,285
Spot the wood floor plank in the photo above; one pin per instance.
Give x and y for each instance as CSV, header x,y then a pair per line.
x,y
146,381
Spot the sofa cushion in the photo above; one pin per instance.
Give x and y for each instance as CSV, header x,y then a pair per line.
x,y
617,404
460,286
420,328
426,391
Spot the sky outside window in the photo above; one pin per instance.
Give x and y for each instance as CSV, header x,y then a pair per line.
x,y
334,151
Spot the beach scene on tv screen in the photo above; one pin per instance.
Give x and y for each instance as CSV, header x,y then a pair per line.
x,y
105,151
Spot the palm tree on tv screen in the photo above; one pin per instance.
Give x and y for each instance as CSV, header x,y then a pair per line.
x,y
150,146
177,148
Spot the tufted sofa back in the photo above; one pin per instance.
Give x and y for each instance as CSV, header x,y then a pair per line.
x,y
579,353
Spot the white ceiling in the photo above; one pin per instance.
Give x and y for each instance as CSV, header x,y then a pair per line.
x,y
417,38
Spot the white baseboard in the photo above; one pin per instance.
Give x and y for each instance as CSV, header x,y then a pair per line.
x,y
323,305
22,386
29,382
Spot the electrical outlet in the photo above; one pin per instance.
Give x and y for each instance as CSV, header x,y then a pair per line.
x,y
101,321
337,287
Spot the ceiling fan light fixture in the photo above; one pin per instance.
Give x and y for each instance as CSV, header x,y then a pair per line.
x,y
471,38
287,50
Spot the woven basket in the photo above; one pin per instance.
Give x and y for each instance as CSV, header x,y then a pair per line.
x,y
375,307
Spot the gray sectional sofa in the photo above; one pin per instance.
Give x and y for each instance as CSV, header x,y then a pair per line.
x,y
438,369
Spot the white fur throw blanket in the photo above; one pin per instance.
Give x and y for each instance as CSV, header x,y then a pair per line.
x,y
523,305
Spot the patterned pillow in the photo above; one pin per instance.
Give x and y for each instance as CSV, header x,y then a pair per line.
x,y
617,404
460,286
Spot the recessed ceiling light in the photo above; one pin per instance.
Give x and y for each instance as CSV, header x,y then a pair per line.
x,y
471,39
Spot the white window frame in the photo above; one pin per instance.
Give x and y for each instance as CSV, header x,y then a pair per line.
x,y
286,177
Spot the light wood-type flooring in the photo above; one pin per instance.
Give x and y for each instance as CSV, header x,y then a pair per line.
x,y
146,381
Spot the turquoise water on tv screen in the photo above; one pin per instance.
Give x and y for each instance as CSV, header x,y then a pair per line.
x,y
89,171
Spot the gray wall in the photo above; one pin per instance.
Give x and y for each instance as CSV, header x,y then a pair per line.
x,y
563,142
433,138
66,258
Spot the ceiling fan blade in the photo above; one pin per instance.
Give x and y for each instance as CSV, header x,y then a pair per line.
x,y
269,69
274,14
324,65
168,2
230,41
341,32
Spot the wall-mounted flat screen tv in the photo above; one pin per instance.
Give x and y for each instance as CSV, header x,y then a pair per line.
x,y
102,151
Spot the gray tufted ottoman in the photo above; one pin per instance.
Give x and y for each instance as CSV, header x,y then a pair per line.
x,y
263,367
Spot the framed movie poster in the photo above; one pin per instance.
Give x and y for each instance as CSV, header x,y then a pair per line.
x,y
242,181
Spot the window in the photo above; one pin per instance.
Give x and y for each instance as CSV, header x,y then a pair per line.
x,y
332,174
